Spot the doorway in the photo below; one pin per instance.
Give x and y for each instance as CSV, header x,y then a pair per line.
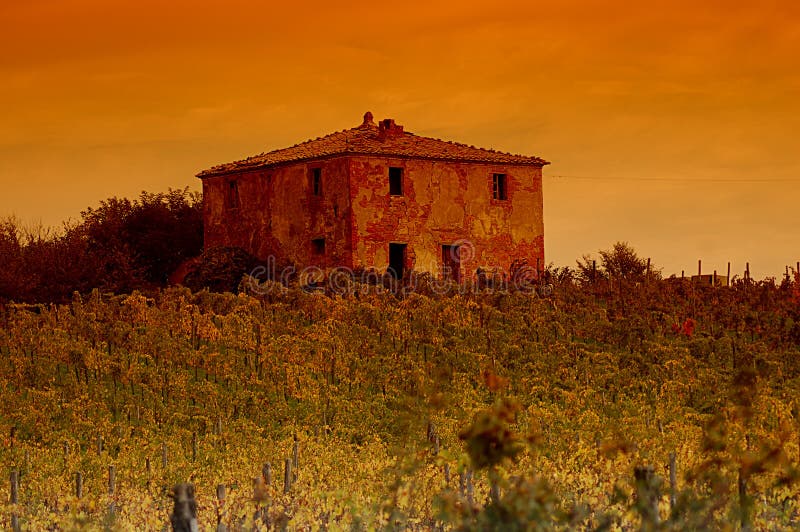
x,y
451,260
397,260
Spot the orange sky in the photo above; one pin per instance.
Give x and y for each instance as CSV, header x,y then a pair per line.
x,y
685,107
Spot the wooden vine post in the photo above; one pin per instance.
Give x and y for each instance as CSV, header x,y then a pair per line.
x,y
221,508
744,502
287,475
112,485
266,472
184,510
14,500
647,495
673,481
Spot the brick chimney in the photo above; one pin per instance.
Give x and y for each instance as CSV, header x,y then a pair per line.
x,y
368,119
387,128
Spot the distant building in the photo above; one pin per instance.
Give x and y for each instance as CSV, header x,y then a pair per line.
x,y
710,280
377,196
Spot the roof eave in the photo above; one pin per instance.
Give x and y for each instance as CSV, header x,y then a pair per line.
x,y
534,161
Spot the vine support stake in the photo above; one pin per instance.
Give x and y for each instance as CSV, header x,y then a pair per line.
x,y
647,495
78,485
470,496
744,502
184,511
266,472
221,508
112,485
112,480
673,481
287,475
14,499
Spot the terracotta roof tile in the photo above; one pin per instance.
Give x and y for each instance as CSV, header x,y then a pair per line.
x,y
369,139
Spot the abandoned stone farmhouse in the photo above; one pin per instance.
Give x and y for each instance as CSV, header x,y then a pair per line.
x,y
377,196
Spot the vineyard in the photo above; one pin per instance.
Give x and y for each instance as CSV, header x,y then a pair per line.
x,y
653,404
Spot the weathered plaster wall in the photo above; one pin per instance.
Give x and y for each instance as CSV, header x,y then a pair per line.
x,y
279,215
446,203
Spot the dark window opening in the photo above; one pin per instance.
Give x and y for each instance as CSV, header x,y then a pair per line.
x,y
397,260
451,262
233,194
316,181
318,245
499,187
395,181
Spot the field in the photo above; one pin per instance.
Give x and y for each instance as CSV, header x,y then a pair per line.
x,y
485,409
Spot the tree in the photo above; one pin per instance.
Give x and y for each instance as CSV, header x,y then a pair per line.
x,y
619,263
143,241
120,246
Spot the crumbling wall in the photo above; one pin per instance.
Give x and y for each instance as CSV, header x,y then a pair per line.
x,y
279,215
446,203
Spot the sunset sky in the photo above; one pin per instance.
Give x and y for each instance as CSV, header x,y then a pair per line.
x,y
674,125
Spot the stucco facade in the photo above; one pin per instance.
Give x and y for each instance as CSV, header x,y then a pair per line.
x,y
376,196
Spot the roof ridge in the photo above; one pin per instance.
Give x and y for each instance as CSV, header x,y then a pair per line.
x,y
388,139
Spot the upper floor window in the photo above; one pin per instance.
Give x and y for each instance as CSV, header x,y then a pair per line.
x,y
318,246
232,198
499,189
316,181
395,181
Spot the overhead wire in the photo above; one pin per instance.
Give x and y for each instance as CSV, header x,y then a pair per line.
x,y
680,179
